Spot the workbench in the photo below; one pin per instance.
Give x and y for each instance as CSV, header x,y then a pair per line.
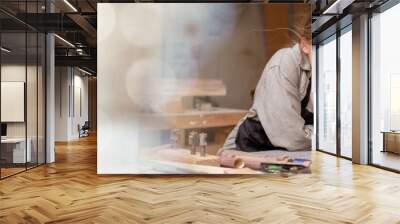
x,y
222,120
165,159
180,161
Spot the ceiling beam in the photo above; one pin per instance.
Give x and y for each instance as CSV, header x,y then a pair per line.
x,y
81,61
84,24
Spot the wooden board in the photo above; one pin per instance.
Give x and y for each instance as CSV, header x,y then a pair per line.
x,y
220,117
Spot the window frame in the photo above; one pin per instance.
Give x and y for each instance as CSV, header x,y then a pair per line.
x,y
333,37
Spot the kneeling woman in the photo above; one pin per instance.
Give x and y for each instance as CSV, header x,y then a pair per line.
x,y
281,116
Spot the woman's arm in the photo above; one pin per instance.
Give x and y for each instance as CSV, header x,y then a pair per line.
x,y
278,105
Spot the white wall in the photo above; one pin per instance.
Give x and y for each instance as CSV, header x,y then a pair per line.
x,y
17,73
79,117
69,82
12,73
62,81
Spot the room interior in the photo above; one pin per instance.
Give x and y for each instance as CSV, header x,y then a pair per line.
x,y
49,91
22,101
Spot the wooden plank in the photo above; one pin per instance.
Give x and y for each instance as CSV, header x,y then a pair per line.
x,y
188,120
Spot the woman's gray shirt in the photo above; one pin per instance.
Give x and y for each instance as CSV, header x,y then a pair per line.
x,y
277,101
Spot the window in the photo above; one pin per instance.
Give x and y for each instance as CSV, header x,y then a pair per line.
x,y
346,93
327,96
22,77
385,89
334,137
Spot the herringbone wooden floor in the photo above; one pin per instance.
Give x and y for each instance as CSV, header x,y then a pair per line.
x,y
69,191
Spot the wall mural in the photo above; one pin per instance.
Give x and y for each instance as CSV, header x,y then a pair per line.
x,y
204,88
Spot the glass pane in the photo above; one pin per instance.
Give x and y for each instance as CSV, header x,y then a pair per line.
x,y
313,91
346,94
32,95
327,96
386,89
41,99
31,88
13,86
